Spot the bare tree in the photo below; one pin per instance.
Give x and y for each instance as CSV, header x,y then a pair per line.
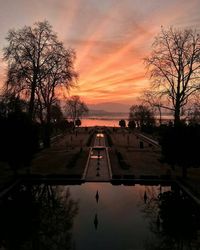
x,y
61,73
153,100
174,66
75,108
35,57
37,65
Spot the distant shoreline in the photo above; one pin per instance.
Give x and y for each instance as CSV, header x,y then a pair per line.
x,y
113,121
122,116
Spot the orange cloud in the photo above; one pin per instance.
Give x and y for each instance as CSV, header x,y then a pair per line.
x,y
119,73
111,39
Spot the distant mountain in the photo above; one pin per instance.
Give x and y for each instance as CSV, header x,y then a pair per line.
x,y
103,113
98,112
110,107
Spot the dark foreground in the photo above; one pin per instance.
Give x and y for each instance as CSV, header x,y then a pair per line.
x,y
98,216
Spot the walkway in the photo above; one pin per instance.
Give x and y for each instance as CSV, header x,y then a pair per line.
x,y
98,164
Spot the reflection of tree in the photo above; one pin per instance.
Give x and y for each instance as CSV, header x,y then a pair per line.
x,y
150,207
173,220
38,217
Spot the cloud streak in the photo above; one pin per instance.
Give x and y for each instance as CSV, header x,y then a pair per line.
x,y
111,38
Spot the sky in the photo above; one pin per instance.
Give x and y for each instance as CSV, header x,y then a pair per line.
x,y
110,37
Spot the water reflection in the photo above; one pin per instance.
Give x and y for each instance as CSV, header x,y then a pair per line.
x,y
76,217
37,217
96,222
97,196
174,220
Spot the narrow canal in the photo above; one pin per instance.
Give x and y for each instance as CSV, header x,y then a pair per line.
x,y
98,164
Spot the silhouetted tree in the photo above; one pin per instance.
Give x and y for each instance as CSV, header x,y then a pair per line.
x,y
37,64
61,74
193,110
131,124
56,113
19,135
141,115
27,53
180,146
75,108
78,122
9,103
122,123
21,140
193,115
173,220
177,222
154,101
71,125
175,67
58,122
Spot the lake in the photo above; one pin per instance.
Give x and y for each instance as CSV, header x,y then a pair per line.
x,y
90,122
113,121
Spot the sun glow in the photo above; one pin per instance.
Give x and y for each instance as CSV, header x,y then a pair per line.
x,y
120,73
110,38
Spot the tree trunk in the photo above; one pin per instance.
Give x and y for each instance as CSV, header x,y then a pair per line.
x,y
47,133
32,98
47,130
160,116
177,114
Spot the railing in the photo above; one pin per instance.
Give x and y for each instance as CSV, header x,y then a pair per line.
x,y
148,140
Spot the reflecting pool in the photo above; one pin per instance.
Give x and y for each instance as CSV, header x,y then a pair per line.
x,y
98,216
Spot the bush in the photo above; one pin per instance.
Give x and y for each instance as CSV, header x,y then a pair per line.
x,y
180,145
20,140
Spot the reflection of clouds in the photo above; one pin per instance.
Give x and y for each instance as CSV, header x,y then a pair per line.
x,y
117,206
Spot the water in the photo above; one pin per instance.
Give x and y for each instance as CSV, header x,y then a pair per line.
x,y
120,223
90,122
77,217
98,163
113,121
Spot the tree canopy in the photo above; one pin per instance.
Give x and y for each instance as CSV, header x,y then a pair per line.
x,y
141,115
37,64
122,123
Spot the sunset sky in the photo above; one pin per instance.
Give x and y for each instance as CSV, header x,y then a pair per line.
x,y
111,38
